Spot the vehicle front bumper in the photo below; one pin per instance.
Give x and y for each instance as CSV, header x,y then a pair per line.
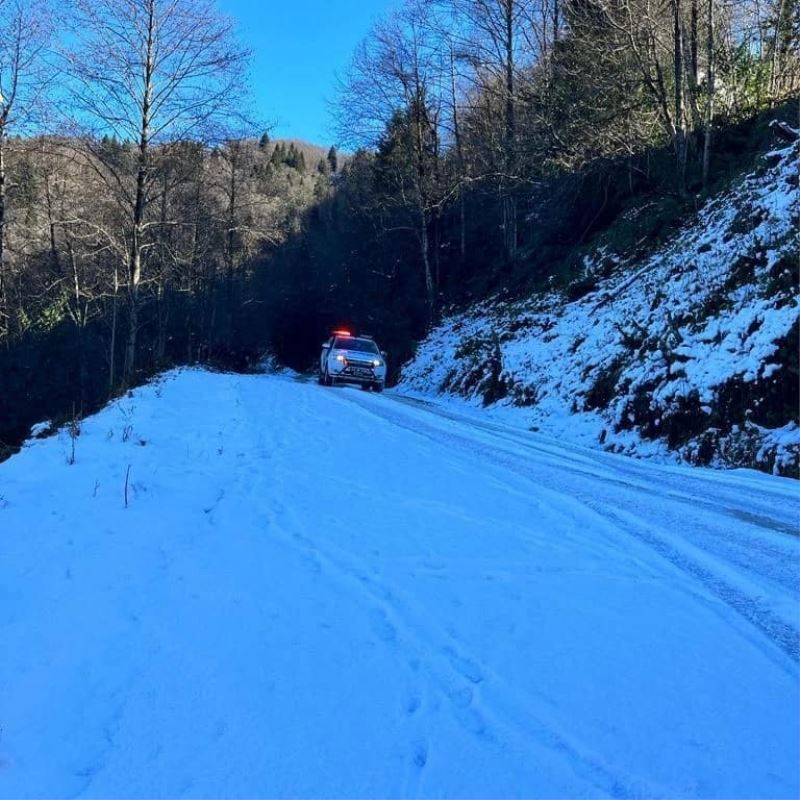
x,y
359,373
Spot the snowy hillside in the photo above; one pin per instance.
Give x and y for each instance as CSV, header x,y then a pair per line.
x,y
252,586
689,354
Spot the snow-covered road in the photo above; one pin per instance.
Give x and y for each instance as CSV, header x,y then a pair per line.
x,y
322,592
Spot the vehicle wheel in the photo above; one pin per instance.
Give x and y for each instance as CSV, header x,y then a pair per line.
x,y
377,387
365,387
326,379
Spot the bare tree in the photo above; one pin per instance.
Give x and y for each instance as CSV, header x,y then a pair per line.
x,y
247,216
395,91
25,77
151,72
498,42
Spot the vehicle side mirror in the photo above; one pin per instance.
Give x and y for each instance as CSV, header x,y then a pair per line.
x,y
384,354
325,345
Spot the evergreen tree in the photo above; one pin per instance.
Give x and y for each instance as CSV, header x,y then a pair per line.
x,y
291,156
278,156
333,159
264,140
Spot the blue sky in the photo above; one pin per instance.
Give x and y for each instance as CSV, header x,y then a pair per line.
x,y
298,47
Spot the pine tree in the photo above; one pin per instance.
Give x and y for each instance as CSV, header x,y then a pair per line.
x,y
264,140
291,156
333,159
278,156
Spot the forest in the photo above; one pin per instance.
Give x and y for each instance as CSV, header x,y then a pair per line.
x,y
146,219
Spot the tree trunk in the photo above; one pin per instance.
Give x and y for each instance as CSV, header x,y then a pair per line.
x,y
112,351
140,203
775,55
430,291
133,330
556,21
4,321
710,99
196,275
691,73
462,250
422,199
79,318
51,221
510,202
162,308
680,123
230,245
462,213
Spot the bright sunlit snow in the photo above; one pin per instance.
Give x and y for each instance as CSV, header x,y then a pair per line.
x,y
322,592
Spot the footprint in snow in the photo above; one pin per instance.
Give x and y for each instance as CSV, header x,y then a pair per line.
x,y
420,755
314,563
468,668
475,723
383,629
461,697
413,704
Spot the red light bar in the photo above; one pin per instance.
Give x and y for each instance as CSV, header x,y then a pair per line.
x,y
342,333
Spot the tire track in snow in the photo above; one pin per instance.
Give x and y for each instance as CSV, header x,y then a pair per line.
x,y
630,474
780,632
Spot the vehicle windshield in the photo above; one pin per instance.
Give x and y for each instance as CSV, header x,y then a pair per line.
x,y
358,345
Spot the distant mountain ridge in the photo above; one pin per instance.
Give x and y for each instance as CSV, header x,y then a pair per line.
x,y
312,153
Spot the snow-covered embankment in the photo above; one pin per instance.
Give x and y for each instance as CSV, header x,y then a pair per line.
x,y
689,354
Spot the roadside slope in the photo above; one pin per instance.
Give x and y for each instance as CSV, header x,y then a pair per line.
x,y
328,593
689,354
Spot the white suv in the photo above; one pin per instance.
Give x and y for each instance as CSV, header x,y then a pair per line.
x,y
352,359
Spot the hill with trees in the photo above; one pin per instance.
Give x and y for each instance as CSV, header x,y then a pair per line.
x,y
130,218
493,146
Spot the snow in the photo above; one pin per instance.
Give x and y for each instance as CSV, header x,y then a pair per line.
x,y
41,429
696,314
270,365
326,593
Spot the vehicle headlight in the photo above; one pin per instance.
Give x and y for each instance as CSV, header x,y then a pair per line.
x,y
341,358
377,363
